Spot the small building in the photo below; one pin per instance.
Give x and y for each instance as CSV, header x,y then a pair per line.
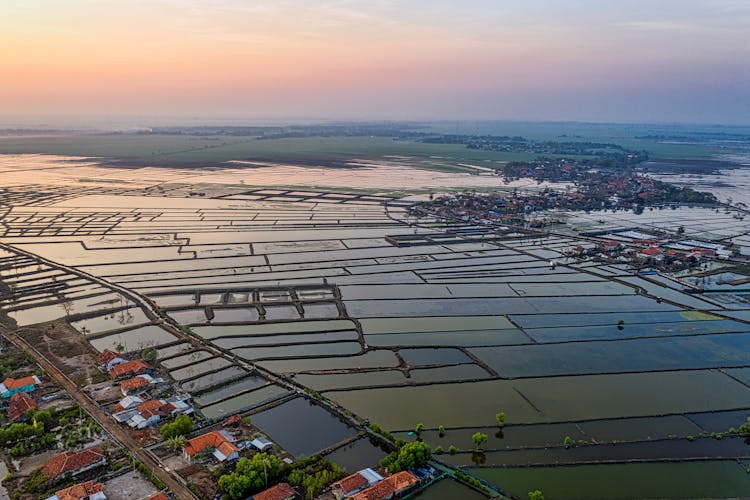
x,y
20,403
11,386
652,253
82,491
127,403
282,491
611,246
108,359
137,385
219,443
232,421
390,487
158,496
261,444
150,412
74,463
353,483
129,369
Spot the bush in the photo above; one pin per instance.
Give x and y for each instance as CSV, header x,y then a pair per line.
x,y
179,427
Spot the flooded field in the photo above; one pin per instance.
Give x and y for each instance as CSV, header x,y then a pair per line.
x,y
239,284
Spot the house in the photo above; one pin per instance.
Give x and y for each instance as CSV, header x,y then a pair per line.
x,y
220,443
74,463
151,412
11,386
232,421
20,403
611,246
82,491
137,384
108,359
402,482
127,403
395,485
353,483
651,253
261,444
282,491
158,496
129,369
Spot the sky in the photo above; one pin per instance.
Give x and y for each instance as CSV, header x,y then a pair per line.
x,y
587,60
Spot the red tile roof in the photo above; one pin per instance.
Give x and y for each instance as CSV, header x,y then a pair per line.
x,y
350,483
377,491
135,367
402,480
387,487
233,420
651,251
214,439
107,355
17,383
281,491
155,407
81,490
71,461
19,403
133,383
158,496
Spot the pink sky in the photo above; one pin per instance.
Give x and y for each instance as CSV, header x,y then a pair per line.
x,y
581,60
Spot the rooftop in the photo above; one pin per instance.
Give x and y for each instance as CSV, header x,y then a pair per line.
x,y
211,439
72,461
281,491
89,490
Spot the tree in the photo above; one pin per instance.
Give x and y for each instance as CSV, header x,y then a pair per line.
x,y
179,427
568,442
500,417
479,439
452,449
176,442
418,429
441,430
409,456
149,355
536,495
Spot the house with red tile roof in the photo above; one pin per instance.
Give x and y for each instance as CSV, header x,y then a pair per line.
x,y
652,252
20,403
108,359
82,491
281,491
129,369
74,463
219,443
355,482
11,386
390,487
157,496
137,384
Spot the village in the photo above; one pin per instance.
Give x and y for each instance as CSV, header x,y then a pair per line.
x,y
61,453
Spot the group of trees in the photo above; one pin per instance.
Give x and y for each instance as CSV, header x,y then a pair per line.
x,y
314,479
250,475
